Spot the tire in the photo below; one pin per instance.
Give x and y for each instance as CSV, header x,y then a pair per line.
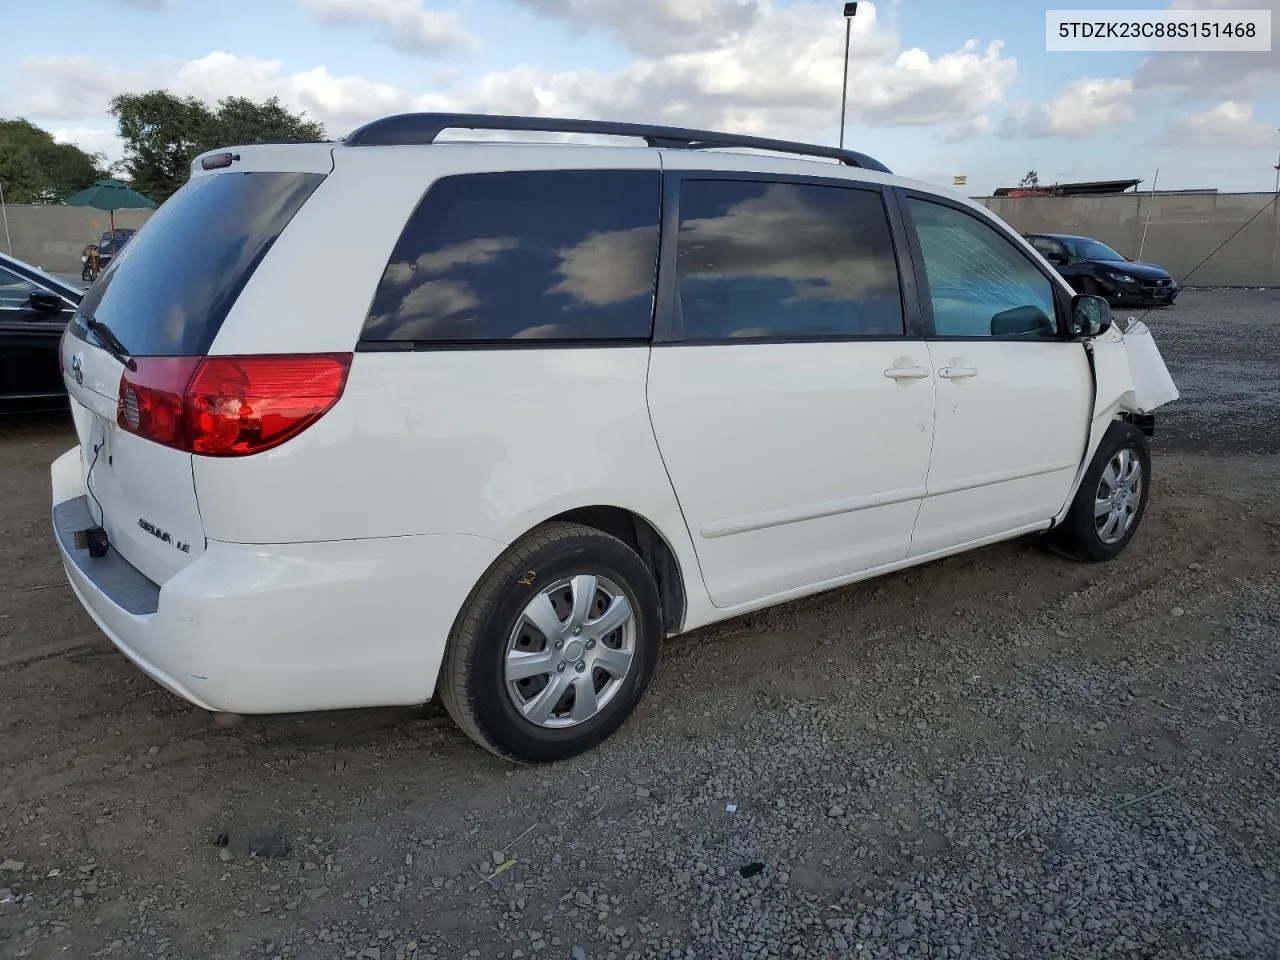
x,y
551,564
1092,539
86,274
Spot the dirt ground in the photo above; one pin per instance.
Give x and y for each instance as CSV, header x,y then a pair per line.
x,y
1002,754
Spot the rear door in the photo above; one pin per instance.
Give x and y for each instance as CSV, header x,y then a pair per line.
x,y
163,300
790,393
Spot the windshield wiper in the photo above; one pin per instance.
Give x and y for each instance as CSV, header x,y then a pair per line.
x,y
110,341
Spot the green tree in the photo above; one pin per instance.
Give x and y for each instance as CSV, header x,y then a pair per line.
x,y
163,133
36,169
1032,180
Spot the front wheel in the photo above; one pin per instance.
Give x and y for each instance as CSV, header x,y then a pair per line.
x,y
1112,497
555,646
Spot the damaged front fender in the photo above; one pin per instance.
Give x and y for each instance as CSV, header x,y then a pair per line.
x,y
1130,378
1130,375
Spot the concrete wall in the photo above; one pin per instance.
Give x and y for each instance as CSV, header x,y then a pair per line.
x,y
1185,228
51,237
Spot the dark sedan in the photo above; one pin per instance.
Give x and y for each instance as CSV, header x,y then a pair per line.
x,y
34,310
1091,266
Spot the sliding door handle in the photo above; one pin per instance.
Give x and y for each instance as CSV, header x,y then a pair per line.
x,y
957,373
907,373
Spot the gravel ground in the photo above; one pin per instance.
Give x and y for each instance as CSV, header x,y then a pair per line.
x,y
998,755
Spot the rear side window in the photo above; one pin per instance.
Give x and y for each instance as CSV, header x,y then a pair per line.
x,y
176,279
774,260
535,255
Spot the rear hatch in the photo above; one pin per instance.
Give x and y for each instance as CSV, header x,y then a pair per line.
x,y
140,336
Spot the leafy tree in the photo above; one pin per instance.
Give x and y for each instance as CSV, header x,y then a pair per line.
x,y
240,120
163,133
36,169
1032,180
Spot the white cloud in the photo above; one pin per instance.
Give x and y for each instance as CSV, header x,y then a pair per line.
x,y
92,140
1081,109
956,87
1229,125
965,131
1212,75
775,71
779,75
404,25
657,27
66,88
80,89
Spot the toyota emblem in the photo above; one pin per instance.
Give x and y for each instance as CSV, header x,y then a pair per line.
x,y
77,368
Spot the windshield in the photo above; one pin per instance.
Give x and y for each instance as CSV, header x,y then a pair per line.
x,y
174,281
1091,250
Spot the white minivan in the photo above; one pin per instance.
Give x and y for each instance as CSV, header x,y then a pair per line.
x,y
364,421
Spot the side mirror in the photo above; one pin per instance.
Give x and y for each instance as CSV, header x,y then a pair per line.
x,y
1090,315
45,302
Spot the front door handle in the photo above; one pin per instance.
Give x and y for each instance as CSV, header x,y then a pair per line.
x,y
907,373
957,373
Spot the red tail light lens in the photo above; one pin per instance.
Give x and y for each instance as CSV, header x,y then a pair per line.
x,y
151,401
229,406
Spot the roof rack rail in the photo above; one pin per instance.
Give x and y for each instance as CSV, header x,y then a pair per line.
x,y
422,128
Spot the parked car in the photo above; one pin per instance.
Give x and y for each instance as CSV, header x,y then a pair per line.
x,y
567,401
34,310
1090,266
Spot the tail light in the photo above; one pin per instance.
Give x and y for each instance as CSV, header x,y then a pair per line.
x,y
228,406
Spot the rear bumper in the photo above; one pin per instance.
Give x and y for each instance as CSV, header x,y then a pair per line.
x,y
280,628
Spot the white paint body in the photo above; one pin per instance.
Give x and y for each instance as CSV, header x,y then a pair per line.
x,y
328,572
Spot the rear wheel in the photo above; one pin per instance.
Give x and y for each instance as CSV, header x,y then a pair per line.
x,y
555,646
1112,497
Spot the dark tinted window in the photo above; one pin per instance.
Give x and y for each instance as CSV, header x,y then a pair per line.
x,y
536,255
1093,250
15,290
176,279
1048,247
781,260
980,284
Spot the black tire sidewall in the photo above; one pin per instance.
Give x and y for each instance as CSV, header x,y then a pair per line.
x,y
1119,435
496,714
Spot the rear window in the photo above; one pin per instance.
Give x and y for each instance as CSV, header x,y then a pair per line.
x,y
556,255
176,280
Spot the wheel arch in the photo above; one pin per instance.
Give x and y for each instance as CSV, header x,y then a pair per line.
x,y
645,539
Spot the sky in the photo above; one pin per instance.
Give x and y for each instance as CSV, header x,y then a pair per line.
x,y
936,88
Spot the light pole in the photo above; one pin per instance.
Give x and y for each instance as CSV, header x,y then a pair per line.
x,y
5,214
1275,229
850,11
1278,175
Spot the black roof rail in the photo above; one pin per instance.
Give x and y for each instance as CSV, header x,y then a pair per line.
x,y
423,128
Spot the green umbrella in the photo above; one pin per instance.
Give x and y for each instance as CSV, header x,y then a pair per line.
x,y
111,195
